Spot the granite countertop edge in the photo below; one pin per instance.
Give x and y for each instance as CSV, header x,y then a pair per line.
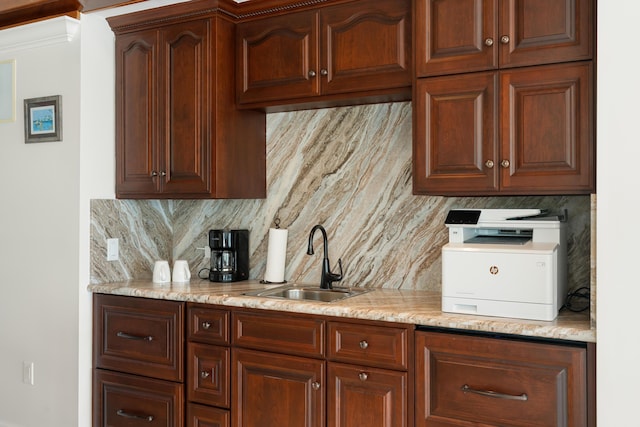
x,y
406,306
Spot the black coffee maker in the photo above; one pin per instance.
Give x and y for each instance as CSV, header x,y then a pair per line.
x,y
229,255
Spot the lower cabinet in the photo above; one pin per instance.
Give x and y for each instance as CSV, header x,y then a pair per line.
x,y
472,380
206,416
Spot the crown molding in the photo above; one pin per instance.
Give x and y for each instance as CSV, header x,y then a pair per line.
x,y
39,34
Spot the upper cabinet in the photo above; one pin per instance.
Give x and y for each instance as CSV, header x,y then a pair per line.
x,y
178,133
504,97
353,52
472,35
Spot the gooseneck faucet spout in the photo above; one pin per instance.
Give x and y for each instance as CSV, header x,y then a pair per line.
x,y
327,277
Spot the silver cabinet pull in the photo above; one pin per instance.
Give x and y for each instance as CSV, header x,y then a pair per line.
x,y
488,41
134,337
505,163
206,325
505,39
204,375
364,344
312,73
489,164
315,385
154,174
324,72
125,414
494,394
363,376
163,173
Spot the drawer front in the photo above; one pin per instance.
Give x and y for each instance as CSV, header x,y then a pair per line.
x,y
464,380
126,400
208,374
279,332
139,336
379,346
206,416
208,325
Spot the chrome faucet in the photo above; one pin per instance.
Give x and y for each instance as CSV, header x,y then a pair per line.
x,y
327,277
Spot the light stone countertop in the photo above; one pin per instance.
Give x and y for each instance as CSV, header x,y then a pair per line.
x,y
391,305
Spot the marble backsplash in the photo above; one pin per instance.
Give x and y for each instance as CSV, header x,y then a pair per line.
x,y
346,168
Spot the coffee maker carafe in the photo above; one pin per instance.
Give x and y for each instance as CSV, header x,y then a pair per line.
x,y
229,255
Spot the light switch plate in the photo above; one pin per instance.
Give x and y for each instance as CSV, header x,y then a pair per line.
x,y
112,250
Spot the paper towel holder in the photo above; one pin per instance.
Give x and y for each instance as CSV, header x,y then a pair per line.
x,y
276,222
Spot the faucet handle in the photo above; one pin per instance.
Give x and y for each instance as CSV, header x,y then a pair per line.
x,y
337,277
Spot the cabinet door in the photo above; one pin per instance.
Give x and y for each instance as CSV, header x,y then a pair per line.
x,y
277,58
454,36
469,381
183,111
136,124
362,396
366,45
547,131
277,390
455,141
208,374
545,31
122,400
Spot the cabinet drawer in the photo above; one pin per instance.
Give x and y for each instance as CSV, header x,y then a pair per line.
x,y
206,416
139,336
208,374
208,325
385,347
463,380
281,333
128,400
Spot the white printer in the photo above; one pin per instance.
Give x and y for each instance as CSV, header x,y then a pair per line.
x,y
505,263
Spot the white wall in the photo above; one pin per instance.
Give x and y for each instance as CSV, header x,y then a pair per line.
x,y
618,256
39,254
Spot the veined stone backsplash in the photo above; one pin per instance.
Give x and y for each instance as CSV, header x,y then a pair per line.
x,y
346,168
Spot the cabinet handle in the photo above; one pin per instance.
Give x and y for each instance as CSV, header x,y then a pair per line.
x,y
206,325
363,376
163,174
324,72
154,174
505,39
505,163
489,164
204,375
312,73
364,344
488,41
523,397
123,413
134,337
315,385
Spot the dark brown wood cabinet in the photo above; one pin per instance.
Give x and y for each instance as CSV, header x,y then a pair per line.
x,y
504,97
357,50
521,131
466,380
178,133
138,360
208,366
455,36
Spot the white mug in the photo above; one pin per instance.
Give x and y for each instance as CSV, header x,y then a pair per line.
x,y
161,272
181,273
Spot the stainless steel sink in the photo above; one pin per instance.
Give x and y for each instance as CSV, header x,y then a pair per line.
x,y
293,292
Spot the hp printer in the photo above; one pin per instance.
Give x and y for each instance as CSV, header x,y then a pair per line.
x,y
505,263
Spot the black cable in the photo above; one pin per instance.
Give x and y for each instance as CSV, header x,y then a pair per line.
x,y
578,300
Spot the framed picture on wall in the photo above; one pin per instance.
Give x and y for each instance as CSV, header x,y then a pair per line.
x,y
43,119
8,91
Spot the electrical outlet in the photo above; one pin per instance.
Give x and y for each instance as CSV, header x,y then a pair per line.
x,y
112,250
28,373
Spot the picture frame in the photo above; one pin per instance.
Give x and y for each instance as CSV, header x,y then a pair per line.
x,y
43,119
8,91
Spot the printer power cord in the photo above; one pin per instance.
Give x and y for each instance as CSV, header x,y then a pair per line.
x,y
578,300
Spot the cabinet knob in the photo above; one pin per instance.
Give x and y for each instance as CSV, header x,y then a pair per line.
x,y
489,164
204,374
206,325
505,163
505,39
364,344
315,385
488,41
312,73
363,376
324,72
154,174
163,173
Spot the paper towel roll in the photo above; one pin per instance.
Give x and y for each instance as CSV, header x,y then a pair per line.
x,y
276,255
